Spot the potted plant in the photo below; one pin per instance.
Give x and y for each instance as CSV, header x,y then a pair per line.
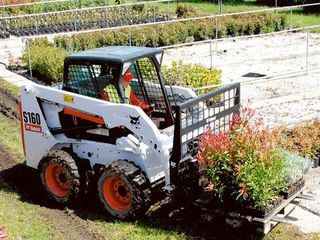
x,y
242,165
295,168
303,139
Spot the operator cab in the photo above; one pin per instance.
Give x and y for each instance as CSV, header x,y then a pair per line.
x,y
89,72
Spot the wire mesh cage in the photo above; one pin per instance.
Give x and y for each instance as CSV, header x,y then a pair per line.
x,y
80,80
213,110
147,87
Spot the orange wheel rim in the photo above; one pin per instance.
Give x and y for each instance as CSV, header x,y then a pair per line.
x,y
57,180
116,193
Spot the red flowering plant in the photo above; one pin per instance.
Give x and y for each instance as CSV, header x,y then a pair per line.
x,y
303,139
242,164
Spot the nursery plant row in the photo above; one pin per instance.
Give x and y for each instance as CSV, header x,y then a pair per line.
x,y
250,169
174,33
151,36
56,22
24,7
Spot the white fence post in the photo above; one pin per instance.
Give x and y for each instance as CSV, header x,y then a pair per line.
x,y
307,53
29,58
210,54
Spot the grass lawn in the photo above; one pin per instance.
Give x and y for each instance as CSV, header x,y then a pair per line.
x,y
299,18
213,8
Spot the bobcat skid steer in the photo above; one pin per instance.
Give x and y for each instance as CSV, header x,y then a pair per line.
x,y
73,137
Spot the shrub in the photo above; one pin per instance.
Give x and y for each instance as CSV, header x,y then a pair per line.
x,y
242,164
295,165
46,60
138,7
174,33
168,34
190,75
185,10
303,139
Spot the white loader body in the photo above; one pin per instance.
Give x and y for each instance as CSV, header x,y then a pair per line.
x,y
148,147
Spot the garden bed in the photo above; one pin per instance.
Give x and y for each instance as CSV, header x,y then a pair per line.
x,y
69,22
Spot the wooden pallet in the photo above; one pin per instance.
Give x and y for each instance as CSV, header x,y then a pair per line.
x,y
279,214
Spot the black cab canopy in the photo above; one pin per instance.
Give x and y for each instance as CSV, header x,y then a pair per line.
x,y
119,54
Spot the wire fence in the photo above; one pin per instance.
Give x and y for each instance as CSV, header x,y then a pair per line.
x,y
84,19
299,52
265,64
8,4
110,17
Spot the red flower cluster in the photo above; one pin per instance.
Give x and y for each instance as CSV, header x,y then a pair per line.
x,y
226,157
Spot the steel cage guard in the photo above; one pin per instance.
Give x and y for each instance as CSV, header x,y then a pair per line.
x,y
213,110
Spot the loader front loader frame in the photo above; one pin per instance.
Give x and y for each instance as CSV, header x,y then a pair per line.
x,y
213,110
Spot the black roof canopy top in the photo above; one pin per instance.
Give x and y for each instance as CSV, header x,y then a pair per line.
x,y
114,54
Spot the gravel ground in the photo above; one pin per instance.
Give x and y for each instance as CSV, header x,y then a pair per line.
x,y
280,99
267,55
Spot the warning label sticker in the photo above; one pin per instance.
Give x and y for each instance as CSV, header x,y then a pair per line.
x,y
33,128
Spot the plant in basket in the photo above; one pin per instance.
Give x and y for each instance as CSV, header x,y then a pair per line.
x,y
242,165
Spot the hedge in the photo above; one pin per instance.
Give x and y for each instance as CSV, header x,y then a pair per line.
x,y
175,33
190,75
47,64
47,58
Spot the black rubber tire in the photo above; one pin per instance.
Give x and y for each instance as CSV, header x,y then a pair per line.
x,y
68,163
137,183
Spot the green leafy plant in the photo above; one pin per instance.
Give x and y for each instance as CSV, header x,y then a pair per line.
x,y
46,60
160,35
185,10
295,165
190,75
303,139
242,164
179,32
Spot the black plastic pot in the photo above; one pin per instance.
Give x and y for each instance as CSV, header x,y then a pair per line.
x,y
259,212
317,160
293,188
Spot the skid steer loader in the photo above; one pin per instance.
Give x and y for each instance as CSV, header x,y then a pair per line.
x,y
74,138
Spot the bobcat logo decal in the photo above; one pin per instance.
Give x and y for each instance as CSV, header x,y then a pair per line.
x,y
135,120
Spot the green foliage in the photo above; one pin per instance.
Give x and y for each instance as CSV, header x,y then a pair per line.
x,y
295,165
13,89
46,60
53,6
175,33
139,7
281,3
226,1
90,18
190,75
242,164
303,139
185,10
